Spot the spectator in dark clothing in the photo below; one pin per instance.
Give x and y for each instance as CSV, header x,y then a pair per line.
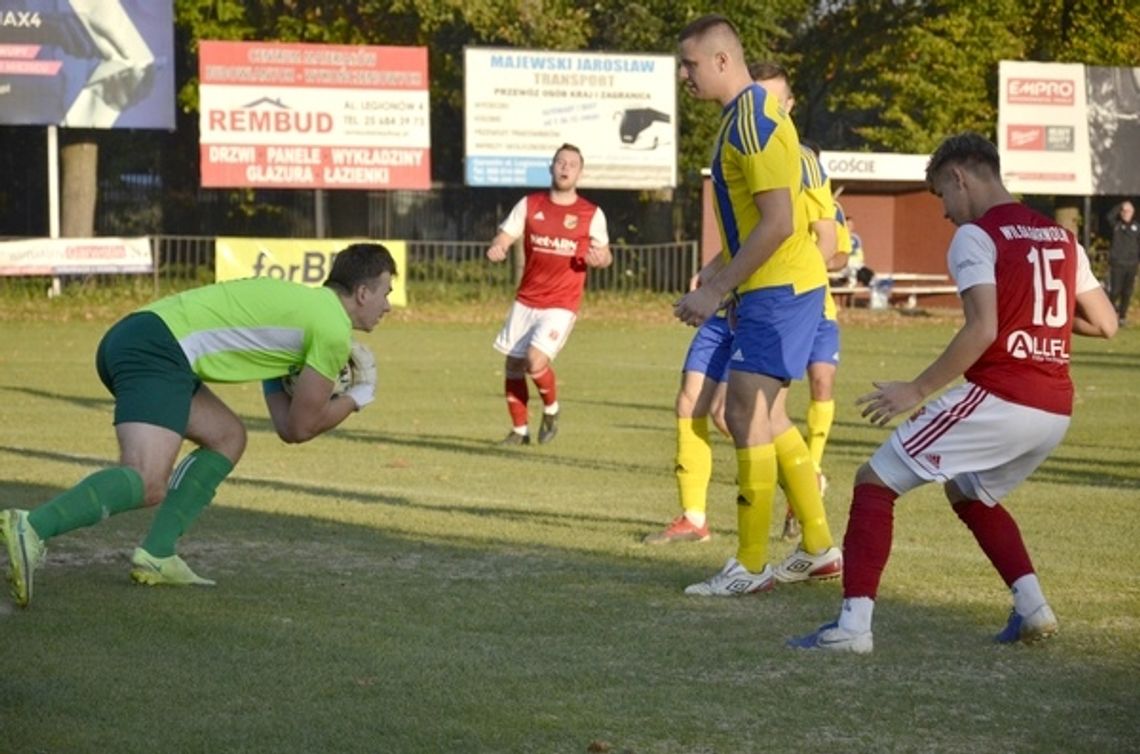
x,y
1123,257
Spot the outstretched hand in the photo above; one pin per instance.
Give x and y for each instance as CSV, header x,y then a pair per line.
x,y
887,400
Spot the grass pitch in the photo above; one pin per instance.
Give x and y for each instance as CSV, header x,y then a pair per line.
x,y
402,584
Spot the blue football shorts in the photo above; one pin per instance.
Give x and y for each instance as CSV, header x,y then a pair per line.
x,y
710,349
775,329
825,347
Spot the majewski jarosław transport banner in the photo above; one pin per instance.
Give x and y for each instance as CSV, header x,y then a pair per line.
x,y
620,109
308,116
87,63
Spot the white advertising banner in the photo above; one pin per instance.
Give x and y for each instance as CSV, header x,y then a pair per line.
x,y
75,256
311,116
874,166
1043,128
619,109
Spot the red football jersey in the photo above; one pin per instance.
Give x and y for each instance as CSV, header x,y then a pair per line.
x,y
1035,264
556,238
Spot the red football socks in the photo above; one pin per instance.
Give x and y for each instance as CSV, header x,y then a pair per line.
x,y
998,536
867,543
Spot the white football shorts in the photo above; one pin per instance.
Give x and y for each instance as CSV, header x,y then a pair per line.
x,y
985,444
545,329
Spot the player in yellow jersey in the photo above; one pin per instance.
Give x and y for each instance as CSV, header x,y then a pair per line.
x,y
775,271
824,359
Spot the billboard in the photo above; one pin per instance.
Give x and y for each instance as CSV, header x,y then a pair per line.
x,y
310,116
87,63
1114,129
1043,134
619,109
75,256
874,166
302,260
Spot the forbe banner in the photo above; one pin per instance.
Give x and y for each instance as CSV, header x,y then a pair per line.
x,y
301,260
87,63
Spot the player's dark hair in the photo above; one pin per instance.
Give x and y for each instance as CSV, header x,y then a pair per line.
x,y
968,149
766,70
701,26
359,264
812,145
569,148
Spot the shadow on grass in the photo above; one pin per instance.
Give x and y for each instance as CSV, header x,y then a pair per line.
x,y
99,404
324,635
331,493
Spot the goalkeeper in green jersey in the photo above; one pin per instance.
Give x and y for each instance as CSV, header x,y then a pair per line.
x,y
157,362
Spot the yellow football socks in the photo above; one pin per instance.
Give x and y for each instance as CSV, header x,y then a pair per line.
x,y
756,467
802,489
694,463
820,416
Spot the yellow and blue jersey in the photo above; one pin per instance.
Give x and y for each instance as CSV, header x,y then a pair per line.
x,y
842,234
819,204
757,150
817,187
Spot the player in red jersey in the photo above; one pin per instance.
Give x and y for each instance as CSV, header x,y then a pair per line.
x,y
1026,288
563,235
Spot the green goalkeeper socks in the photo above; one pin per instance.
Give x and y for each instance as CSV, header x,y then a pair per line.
x,y
192,487
101,495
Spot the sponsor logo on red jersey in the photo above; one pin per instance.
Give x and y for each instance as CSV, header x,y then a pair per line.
x,y
1022,345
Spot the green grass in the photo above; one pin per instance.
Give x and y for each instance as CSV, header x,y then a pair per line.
x,y
404,585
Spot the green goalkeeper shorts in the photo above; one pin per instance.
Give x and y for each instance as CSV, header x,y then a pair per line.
x,y
143,366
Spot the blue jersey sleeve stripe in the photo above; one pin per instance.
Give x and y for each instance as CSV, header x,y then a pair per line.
x,y
727,218
813,172
754,142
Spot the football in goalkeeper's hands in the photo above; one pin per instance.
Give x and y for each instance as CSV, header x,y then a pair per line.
x,y
340,386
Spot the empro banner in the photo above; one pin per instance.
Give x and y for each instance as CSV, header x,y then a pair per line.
x,y
1068,128
620,109
1043,131
311,116
301,260
87,63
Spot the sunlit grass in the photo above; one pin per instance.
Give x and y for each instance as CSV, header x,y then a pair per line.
x,y
403,584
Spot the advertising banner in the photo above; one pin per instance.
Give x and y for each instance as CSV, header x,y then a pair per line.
x,y
1043,128
75,256
87,63
619,109
1114,129
309,116
874,166
301,260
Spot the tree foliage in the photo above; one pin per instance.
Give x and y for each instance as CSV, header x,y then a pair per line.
x,y
869,74
899,75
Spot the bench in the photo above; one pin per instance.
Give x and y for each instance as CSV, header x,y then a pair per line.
x,y
915,286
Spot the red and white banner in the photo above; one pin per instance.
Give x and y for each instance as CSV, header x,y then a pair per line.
x,y
1043,128
75,256
276,115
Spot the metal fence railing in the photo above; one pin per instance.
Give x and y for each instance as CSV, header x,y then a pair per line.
x,y
445,268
